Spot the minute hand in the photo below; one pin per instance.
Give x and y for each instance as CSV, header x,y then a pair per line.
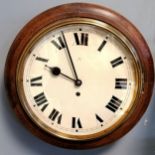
x,y
70,57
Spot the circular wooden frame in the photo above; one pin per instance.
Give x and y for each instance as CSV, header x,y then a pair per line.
x,y
82,10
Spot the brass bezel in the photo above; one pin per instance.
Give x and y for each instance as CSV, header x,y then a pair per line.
x,y
53,26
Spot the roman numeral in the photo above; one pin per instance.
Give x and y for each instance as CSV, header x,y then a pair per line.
x,y
41,100
114,104
121,83
36,81
81,39
59,44
99,118
76,123
55,116
102,45
41,59
116,62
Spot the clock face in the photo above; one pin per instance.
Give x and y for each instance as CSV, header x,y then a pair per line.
x,y
79,80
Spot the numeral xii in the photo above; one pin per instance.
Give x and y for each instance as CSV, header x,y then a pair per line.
x,y
81,38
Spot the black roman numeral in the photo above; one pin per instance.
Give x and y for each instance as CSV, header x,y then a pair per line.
x,y
102,45
116,62
36,81
81,39
99,118
41,100
76,123
114,104
55,116
121,83
59,44
41,59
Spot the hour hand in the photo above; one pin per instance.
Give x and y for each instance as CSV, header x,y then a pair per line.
x,y
56,71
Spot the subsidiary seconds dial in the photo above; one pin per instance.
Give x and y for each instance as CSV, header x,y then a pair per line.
x,y
79,79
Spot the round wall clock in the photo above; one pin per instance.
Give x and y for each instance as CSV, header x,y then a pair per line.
x,y
79,76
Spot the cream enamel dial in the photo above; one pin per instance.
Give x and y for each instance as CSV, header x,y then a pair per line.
x,y
79,80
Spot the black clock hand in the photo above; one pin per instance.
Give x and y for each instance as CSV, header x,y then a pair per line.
x,y
77,81
57,71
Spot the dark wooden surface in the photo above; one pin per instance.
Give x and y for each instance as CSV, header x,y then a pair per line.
x,y
88,11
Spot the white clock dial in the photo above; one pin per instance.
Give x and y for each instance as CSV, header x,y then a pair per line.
x,y
79,80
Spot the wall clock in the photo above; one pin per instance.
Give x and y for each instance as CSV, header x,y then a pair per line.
x,y
79,76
